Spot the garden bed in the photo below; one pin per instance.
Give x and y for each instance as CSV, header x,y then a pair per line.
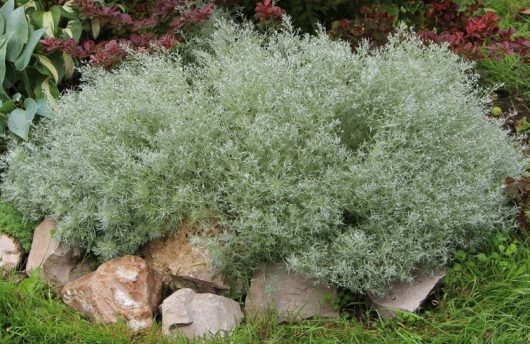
x,y
225,166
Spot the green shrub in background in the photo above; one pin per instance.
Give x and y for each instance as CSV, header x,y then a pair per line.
x,y
306,15
351,167
27,80
12,223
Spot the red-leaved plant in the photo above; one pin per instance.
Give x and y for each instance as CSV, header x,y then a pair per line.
x,y
474,37
373,24
468,34
143,25
268,11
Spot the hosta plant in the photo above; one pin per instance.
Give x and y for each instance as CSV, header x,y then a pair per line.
x,y
102,29
353,168
24,90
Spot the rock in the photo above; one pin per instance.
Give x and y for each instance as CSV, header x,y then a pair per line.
x,y
58,263
199,315
181,265
291,295
11,254
122,287
407,296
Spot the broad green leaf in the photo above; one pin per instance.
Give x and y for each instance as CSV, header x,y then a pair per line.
x,y
96,27
43,108
3,50
48,23
31,107
19,120
23,60
11,78
74,29
7,9
69,66
7,106
36,18
3,95
2,25
41,69
31,4
45,88
69,11
37,85
18,27
4,40
51,67
48,20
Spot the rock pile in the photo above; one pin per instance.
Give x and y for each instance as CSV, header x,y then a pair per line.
x,y
130,287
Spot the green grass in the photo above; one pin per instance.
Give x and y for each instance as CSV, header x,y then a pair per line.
x,y
510,71
509,13
486,299
12,223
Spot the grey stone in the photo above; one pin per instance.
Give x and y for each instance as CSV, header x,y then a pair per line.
x,y
58,264
407,296
11,254
291,295
199,315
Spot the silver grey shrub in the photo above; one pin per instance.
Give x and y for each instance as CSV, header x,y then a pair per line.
x,y
353,168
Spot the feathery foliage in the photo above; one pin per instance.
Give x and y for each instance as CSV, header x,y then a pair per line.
x,y
351,167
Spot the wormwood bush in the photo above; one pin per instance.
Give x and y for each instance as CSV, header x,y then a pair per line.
x,y
350,167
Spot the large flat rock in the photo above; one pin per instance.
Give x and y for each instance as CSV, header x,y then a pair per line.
x,y
291,295
58,264
407,296
182,265
193,315
124,287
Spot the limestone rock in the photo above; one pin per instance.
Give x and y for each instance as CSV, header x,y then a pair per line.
x,y
11,254
58,263
122,287
291,295
407,296
199,315
181,265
